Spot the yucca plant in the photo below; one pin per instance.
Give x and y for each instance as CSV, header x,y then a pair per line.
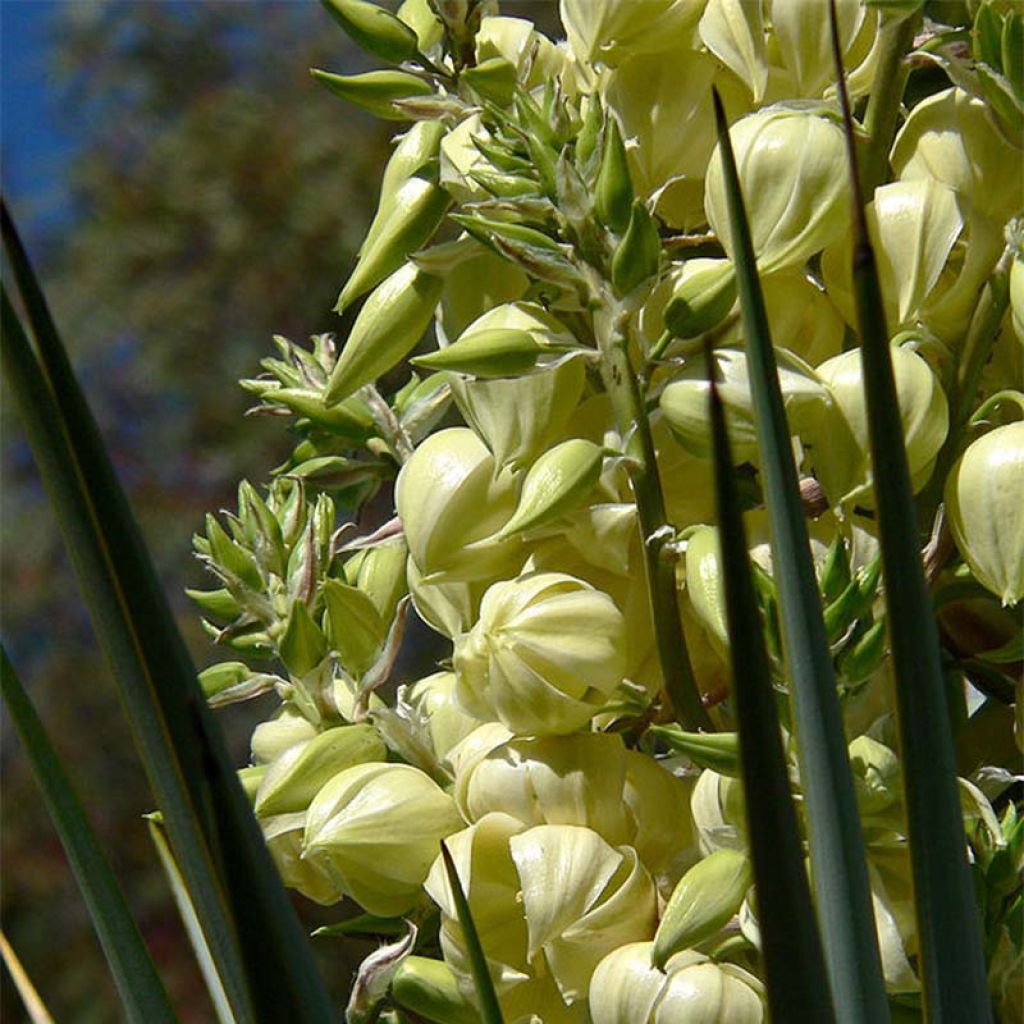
x,y
683,404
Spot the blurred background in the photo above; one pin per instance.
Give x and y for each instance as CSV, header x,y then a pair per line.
x,y
186,191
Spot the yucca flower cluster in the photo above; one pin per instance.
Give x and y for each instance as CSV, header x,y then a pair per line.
x,y
552,255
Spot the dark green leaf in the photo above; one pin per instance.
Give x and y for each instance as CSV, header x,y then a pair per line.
x,y
951,959
139,986
838,861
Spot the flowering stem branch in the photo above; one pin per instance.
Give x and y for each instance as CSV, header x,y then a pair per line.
x,y
631,414
892,71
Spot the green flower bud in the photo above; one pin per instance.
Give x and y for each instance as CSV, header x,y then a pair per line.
x,y
493,79
303,645
498,352
546,653
734,32
451,503
704,583
388,327
423,20
635,259
447,722
271,739
550,780
613,191
218,603
294,778
229,681
718,813
375,91
703,294
283,834
354,626
684,400
626,989
950,137
789,165
557,483
703,902
1016,297
461,155
411,217
923,410
519,418
250,777
430,989
381,576
375,829
375,29
717,750
985,507
482,282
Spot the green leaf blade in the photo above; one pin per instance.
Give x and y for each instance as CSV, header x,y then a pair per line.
x,y
138,984
948,924
794,965
841,883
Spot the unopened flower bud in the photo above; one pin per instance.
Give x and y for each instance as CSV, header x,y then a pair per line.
x,y
493,79
684,402
497,352
662,827
626,989
613,191
924,412
635,259
375,828
554,780
704,584
294,778
375,91
447,722
381,576
985,507
430,989
876,775
354,626
790,169
1016,296
557,483
704,292
375,29
273,738
546,653
717,807
451,503
705,899
521,417
411,217
388,327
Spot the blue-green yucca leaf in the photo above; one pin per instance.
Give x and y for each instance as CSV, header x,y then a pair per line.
x,y
138,984
839,865
948,923
490,1011
794,965
207,817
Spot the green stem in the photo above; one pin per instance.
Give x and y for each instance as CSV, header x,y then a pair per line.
x,y
631,414
896,36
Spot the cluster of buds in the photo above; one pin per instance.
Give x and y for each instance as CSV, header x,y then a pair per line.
x,y
551,248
